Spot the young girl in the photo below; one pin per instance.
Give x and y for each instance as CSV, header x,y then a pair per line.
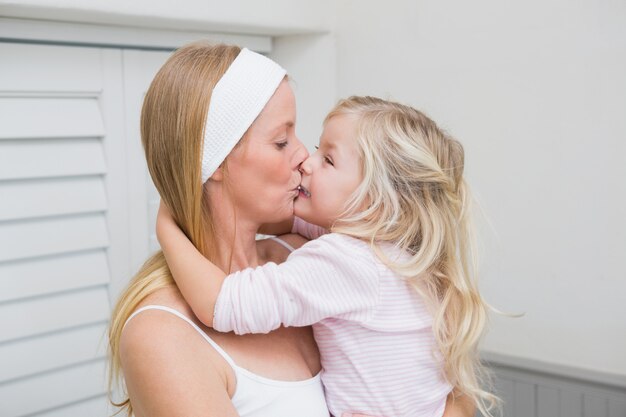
x,y
390,291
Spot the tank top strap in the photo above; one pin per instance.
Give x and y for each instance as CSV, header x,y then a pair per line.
x,y
180,315
283,243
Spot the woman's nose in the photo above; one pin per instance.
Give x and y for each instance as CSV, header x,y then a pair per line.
x,y
299,156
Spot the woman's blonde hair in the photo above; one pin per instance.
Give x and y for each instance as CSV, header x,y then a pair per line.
x,y
413,194
172,123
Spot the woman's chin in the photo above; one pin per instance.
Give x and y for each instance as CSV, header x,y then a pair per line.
x,y
286,211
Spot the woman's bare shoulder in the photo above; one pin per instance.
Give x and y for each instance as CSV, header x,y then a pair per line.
x,y
169,296
272,251
156,331
166,362
294,239
145,328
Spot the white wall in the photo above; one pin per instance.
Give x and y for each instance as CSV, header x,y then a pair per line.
x,y
241,16
311,63
536,91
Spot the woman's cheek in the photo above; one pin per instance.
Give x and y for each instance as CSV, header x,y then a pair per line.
x,y
283,173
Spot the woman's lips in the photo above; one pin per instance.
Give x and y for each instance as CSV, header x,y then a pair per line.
x,y
303,191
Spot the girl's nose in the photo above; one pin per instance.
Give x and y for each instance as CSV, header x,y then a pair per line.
x,y
306,167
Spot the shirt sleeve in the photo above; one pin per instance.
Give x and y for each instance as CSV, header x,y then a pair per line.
x,y
308,230
325,278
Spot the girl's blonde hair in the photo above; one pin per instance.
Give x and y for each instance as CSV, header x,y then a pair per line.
x,y
413,194
172,123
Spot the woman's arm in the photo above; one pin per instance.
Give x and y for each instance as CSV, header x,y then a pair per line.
x,y
166,377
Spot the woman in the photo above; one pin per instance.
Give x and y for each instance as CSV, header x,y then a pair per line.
x,y
222,176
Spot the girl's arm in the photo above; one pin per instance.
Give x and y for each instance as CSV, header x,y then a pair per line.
x,y
197,278
325,278
333,276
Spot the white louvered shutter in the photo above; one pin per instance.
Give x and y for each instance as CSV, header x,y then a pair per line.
x,y
69,234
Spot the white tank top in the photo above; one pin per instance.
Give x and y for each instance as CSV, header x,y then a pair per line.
x,y
257,396
282,243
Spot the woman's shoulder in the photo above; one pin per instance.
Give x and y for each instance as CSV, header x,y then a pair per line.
x,y
156,341
163,315
166,369
158,325
156,319
270,250
170,297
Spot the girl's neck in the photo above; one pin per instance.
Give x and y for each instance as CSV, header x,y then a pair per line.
x,y
235,237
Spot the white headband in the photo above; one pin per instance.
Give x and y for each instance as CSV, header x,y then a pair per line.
x,y
236,101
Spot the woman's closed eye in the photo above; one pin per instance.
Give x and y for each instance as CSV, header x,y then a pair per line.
x,y
282,144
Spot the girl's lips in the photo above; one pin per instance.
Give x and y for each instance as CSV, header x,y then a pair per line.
x,y
304,192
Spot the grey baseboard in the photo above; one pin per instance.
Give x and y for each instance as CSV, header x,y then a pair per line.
x,y
532,388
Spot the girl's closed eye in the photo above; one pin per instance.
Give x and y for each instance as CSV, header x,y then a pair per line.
x,y
326,159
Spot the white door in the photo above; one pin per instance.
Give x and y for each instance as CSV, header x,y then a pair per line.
x,y
74,221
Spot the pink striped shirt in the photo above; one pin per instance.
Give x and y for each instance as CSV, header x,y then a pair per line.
x,y
373,330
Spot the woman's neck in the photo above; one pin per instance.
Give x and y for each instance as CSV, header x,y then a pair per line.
x,y
235,237
235,248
